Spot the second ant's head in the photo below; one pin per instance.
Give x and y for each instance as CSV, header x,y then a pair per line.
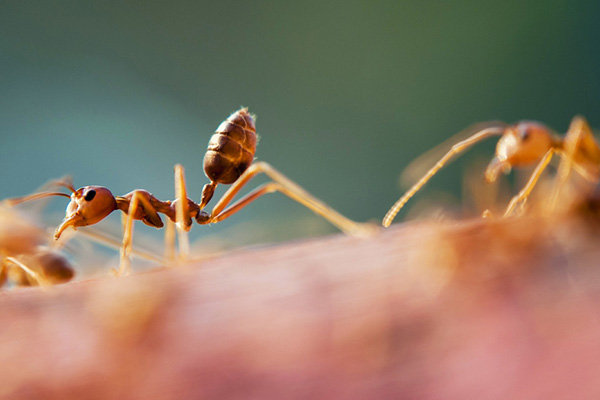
x,y
522,144
88,205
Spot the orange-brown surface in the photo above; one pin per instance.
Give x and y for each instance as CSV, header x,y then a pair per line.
x,y
504,309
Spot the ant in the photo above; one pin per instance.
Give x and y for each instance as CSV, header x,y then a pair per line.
x,y
520,145
228,160
25,258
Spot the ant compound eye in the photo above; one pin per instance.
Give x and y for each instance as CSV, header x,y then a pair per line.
x,y
89,196
524,134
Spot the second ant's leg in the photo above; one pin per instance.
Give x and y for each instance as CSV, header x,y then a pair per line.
x,y
576,137
182,213
111,242
290,189
456,149
31,273
523,195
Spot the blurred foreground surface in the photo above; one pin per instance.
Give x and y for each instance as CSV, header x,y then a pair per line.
x,y
476,309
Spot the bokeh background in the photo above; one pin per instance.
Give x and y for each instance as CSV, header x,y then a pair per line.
x,y
346,93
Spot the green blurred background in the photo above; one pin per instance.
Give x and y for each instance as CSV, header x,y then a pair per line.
x,y
346,93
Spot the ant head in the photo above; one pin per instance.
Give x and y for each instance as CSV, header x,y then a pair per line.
x,y
522,144
88,205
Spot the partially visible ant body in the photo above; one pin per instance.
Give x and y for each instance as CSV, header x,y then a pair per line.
x,y
228,160
524,144
25,257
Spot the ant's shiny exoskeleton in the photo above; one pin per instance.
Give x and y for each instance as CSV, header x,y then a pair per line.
x,y
523,144
228,160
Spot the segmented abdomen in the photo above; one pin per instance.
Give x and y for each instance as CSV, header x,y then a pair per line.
x,y
231,149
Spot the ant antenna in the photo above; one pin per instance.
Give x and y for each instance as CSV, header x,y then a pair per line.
x,y
64,182
18,200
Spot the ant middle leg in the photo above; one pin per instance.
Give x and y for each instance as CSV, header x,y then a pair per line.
x,y
183,219
289,188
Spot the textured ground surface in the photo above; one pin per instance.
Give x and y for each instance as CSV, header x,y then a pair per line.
x,y
471,310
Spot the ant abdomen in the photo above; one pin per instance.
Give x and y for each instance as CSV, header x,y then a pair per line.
x,y
231,149
230,152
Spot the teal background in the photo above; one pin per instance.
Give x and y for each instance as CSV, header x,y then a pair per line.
x,y
346,93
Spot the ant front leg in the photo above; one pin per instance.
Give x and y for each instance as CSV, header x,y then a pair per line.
x,y
292,190
455,150
523,195
137,205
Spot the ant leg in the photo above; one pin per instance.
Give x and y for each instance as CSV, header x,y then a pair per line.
x,y
523,195
111,242
3,276
127,220
570,147
290,189
457,148
137,201
170,242
37,277
250,197
182,213
578,139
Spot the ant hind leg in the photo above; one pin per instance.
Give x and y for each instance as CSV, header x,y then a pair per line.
x,y
289,188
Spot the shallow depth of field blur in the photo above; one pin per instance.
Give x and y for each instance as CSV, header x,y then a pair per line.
x,y
346,94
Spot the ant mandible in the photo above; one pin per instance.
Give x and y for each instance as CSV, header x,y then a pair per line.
x,y
228,160
520,145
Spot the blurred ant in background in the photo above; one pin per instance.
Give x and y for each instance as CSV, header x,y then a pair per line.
x,y
26,258
521,145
